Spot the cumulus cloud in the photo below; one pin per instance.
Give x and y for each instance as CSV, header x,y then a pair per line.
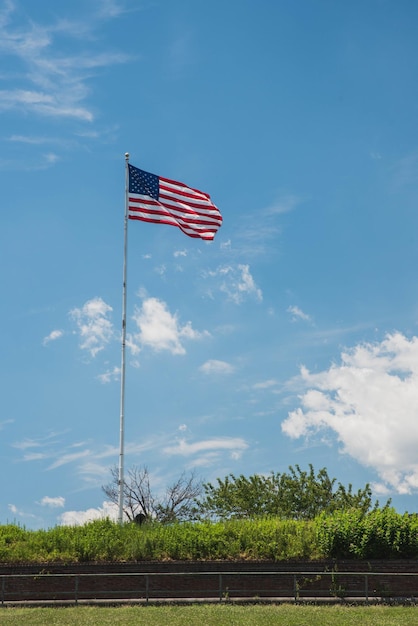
x,y
161,330
56,502
370,402
53,336
214,366
78,518
93,325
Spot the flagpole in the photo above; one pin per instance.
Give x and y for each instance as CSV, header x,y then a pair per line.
x,y
121,481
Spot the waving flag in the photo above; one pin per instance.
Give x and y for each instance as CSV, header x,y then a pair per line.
x,y
160,200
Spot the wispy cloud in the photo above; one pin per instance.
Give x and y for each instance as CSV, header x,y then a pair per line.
x,y
179,253
52,83
19,512
34,456
53,336
5,422
266,384
235,445
283,204
93,325
90,461
236,281
30,140
260,229
109,376
298,314
213,366
49,440
69,458
109,9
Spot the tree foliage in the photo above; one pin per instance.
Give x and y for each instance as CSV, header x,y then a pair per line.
x,y
175,505
297,494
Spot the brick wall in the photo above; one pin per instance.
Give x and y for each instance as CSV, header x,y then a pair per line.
x,y
181,579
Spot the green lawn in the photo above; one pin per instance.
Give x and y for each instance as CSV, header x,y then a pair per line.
x,y
214,615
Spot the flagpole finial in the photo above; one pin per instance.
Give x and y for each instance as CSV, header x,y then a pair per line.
x,y
127,156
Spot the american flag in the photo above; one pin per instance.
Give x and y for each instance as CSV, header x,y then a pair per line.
x,y
163,201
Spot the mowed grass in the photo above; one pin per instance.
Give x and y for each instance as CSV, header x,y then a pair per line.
x,y
214,615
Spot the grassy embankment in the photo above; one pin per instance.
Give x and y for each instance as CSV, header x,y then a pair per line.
x,y
379,534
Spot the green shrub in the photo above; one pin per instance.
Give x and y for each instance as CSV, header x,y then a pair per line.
x,y
379,534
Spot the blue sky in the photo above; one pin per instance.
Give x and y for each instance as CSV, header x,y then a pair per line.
x,y
289,339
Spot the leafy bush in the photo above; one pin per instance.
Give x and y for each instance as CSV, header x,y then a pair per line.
x,y
379,534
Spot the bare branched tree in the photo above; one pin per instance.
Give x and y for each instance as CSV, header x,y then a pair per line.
x,y
178,503
137,496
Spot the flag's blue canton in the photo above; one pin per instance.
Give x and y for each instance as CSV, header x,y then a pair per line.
x,y
143,183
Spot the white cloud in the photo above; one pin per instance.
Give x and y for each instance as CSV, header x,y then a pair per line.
x,y
34,456
13,509
110,8
78,518
214,366
160,330
51,157
93,472
160,269
93,325
236,282
56,502
370,401
49,440
110,375
69,458
5,422
132,345
26,443
183,448
266,384
297,313
53,336
30,140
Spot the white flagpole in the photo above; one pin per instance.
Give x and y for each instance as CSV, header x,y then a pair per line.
x,y
121,481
